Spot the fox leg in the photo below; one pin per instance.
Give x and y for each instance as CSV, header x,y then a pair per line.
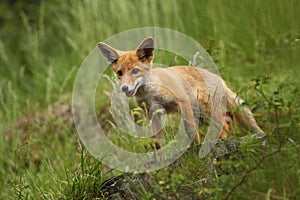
x,y
189,121
227,125
156,128
157,132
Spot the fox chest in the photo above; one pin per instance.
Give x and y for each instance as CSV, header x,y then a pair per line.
x,y
155,96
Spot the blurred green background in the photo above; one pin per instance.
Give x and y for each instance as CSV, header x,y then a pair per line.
x,y
255,44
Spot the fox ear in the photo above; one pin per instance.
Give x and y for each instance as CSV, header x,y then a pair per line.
x,y
145,50
108,52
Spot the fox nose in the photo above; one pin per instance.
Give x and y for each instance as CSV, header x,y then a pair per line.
x,y
124,88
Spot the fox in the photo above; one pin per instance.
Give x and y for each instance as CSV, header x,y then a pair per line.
x,y
177,89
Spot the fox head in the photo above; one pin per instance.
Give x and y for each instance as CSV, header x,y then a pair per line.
x,y
132,67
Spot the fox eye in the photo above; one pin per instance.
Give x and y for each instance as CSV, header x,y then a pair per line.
x,y
134,71
120,73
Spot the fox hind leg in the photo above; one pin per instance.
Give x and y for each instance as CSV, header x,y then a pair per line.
x,y
227,125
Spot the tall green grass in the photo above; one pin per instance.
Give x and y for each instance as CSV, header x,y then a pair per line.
x,y
256,45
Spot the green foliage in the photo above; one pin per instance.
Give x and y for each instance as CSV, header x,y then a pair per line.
x,y
256,45
87,181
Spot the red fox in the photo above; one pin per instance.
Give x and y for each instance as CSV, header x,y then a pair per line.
x,y
175,88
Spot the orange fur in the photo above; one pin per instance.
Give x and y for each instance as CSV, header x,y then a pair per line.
x,y
176,88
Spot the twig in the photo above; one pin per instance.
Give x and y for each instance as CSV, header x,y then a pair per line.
x,y
248,171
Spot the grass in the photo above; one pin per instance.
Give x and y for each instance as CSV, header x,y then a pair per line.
x,y
255,44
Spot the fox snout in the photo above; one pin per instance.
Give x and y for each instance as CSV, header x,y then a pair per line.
x,y
124,88
131,89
